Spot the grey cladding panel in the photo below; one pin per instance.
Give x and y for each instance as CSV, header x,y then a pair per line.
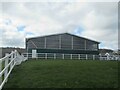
x,y
66,42
30,45
52,42
36,43
78,43
91,45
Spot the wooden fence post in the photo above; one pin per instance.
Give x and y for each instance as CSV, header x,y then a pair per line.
x,y
78,56
54,55
0,71
12,56
63,56
86,57
45,55
15,55
93,57
70,56
6,63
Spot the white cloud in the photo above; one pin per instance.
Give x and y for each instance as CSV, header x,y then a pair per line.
x,y
10,35
98,20
101,24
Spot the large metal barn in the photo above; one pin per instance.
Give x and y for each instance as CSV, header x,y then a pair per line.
x,y
60,44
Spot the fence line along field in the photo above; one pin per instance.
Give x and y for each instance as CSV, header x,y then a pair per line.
x,y
64,74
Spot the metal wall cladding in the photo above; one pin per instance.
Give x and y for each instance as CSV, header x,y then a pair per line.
x,y
78,43
91,45
36,43
66,41
52,42
62,41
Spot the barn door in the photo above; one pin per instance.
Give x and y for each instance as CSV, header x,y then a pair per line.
x,y
34,53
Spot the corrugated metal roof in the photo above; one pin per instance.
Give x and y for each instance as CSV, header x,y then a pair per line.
x,y
62,34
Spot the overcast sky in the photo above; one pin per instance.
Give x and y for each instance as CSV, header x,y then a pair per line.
x,y
94,20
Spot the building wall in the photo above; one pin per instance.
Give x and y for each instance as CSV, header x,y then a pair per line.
x,y
62,42
66,41
52,42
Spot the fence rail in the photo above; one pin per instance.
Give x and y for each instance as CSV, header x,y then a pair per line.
x,y
7,63
70,56
109,57
60,56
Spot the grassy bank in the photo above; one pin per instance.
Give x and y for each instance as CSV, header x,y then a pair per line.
x,y
64,74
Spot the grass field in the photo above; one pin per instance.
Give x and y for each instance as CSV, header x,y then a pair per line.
x,y
64,74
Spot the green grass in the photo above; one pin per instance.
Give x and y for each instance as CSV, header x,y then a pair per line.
x,y
64,74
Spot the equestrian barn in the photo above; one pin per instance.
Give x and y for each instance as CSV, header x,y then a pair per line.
x,y
64,45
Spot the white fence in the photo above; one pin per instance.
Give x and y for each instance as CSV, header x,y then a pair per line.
x,y
7,63
70,56
109,57
61,56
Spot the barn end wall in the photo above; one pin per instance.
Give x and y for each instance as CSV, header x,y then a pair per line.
x,y
62,43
